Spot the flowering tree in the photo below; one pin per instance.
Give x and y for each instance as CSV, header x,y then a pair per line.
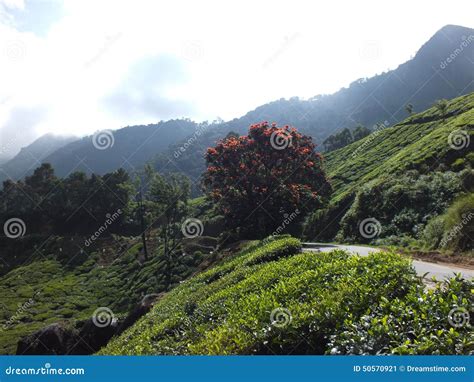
x,y
260,179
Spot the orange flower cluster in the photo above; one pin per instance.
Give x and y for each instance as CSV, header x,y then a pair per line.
x,y
248,173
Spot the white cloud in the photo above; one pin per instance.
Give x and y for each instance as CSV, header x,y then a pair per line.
x,y
229,57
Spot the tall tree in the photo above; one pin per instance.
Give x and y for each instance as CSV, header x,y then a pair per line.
x,y
258,178
170,196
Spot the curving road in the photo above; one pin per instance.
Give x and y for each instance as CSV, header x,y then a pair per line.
x,y
440,271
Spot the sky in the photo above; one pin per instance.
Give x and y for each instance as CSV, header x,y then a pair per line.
x,y
76,67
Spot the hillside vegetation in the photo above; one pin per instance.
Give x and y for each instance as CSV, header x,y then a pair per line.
x,y
272,299
419,158
54,285
420,142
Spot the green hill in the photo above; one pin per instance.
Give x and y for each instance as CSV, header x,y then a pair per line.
x,y
426,152
420,142
272,299
54,282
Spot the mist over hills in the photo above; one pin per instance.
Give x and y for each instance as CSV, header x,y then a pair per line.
x,y
441,69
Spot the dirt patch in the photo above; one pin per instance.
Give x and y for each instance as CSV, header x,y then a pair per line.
x,y
462,260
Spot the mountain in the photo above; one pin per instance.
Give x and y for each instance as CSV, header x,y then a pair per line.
x,y
442,68
427,77
103,152
32,156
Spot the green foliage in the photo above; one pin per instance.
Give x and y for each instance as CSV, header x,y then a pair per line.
x,y
259,178
65,290
418,323
345,137
402,205
74,205
459,224
228,309
419,143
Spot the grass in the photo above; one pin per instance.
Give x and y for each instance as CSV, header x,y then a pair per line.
x,y
273,299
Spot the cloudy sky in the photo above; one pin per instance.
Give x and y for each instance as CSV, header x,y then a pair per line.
x,y
75,67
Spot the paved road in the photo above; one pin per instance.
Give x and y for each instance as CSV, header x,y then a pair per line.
x,y
440,271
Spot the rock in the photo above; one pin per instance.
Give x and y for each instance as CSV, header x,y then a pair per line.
x,y
85,338
52,339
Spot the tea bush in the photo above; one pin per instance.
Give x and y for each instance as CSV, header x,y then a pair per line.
x,y
272,299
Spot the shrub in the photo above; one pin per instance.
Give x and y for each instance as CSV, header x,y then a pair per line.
x,y
459,225
422,322
270,299
403,206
